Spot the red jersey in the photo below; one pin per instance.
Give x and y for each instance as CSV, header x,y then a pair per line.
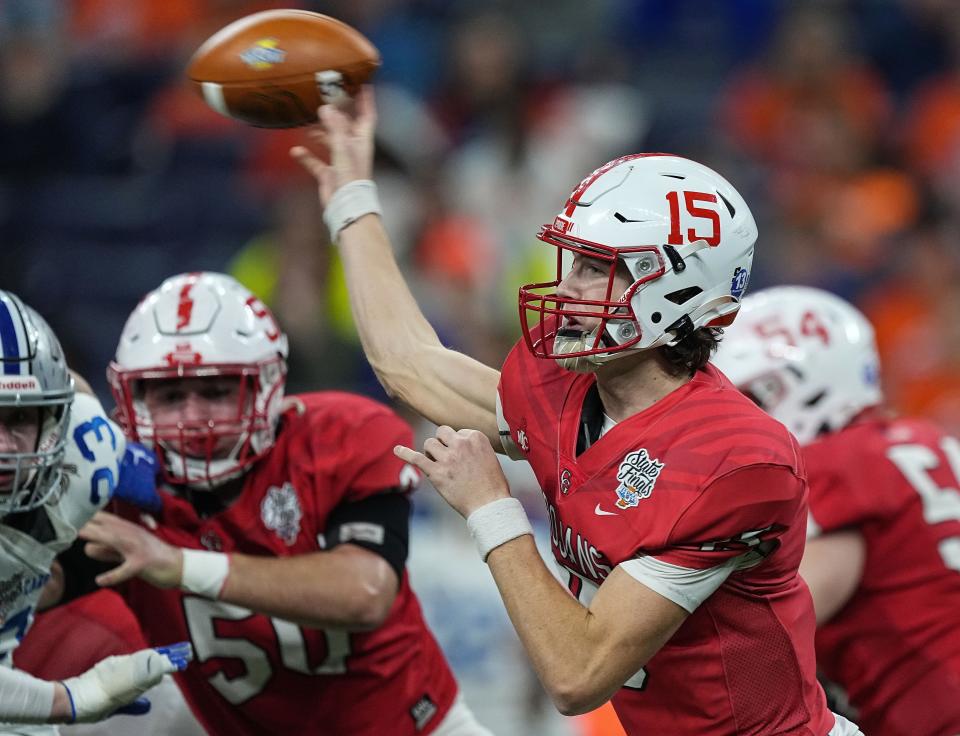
x,y
69,639
895,646
257,675
696,479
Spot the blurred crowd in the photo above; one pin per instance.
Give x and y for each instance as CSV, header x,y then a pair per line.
x,y
839,121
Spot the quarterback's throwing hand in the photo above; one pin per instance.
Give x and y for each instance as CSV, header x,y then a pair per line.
x,y
349,141
462,466
114,683
140,553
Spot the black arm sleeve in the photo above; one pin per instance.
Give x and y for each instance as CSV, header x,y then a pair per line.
x,y
380,523
79,571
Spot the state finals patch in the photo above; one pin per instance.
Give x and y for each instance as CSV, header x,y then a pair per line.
x,y
281,513
637,475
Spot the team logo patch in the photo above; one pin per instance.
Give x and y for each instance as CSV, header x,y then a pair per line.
x,y
281,512
637,475
263,54
210,540
738,283
422,711
183,354
522,442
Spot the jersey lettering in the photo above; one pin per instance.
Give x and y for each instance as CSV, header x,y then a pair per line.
x,y
202,615
940,504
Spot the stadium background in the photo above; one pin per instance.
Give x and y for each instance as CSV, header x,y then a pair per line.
x,y
838,121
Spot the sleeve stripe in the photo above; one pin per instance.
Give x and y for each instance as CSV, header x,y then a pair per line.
x,y
686,587
506,438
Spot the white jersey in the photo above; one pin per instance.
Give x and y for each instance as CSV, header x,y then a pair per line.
x,y
95,447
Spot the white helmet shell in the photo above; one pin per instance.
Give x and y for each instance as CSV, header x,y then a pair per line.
x,y
685,235
806,356
201,324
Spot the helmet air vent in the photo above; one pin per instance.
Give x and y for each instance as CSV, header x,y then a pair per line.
x,y
730,207
683,295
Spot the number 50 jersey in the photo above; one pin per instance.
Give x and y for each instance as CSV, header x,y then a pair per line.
x,y
256,675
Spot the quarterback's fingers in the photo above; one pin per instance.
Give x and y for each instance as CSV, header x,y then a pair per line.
x,y
416,459
366,111
446,434
307,160
321,139
435,449
335,124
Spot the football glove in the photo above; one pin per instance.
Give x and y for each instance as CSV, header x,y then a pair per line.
x,y
115,683
138,478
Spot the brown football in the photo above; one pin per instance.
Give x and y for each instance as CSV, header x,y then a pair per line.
x,y
273,69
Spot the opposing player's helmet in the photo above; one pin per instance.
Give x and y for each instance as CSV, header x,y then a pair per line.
x,y
683,232
33,373
198,325
807,357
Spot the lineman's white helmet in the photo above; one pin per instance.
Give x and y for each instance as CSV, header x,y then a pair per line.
x,y
195,325
805,356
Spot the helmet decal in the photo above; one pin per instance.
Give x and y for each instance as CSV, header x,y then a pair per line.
x,y
806,356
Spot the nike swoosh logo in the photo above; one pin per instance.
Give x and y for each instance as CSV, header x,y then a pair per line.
x,y
600,512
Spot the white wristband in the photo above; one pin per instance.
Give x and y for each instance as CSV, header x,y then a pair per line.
x,y
349,203
497,523
204,573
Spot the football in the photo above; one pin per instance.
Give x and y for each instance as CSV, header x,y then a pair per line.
x,y
273,69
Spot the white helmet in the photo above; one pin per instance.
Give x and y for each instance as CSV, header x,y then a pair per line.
x,y
685,235
805,356
33,373
196,325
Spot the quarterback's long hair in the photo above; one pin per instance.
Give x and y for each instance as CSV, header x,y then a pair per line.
x,y
692,352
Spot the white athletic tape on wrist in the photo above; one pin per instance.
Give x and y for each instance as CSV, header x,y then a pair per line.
x,y
26,699
204,573
497,523
349,203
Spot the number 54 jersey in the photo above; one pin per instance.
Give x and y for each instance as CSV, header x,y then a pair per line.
x,y
256,675
700,479
895,645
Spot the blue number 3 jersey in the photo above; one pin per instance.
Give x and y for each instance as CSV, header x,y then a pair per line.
x,y
91,468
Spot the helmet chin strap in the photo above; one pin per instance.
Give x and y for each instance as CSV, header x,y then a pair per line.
x,y
200,474
196,474
566,343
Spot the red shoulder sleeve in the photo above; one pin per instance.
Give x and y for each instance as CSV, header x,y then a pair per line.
x,y
734,514
845,491
366,463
